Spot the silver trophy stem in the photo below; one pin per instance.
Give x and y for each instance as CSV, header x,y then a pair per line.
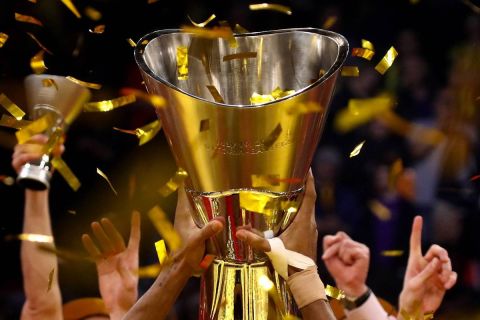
x,y
36,176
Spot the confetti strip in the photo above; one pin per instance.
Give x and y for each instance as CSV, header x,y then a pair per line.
x,y
240,55
428,316
380,210
366,54
104,176
368,45
271,6
174,182
37,126
356,151
334,293
386,61
37,63
215,94
31,237
108,105
329,22
264,180
161,251
69,4
278,93
182,63
272,137
214,33
165,228
155,100
204,23
3,39
261,98
27,19
92,13
148,132
11,107
50,279
392,253
239,29
150,271
349,71
131,42
66,173
255,202
39,43
90,85
48,82
98,29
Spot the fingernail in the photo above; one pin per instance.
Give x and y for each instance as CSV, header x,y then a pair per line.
x,y
217,226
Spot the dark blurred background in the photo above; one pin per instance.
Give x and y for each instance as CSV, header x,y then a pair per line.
x,y
398,174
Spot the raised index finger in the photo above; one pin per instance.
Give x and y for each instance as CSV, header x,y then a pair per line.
x,y
416,236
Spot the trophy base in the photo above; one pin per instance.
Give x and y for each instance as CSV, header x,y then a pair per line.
x,y
236,291
34,177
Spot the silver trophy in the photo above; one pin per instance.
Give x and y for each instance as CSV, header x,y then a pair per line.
x,y
63,100
246,162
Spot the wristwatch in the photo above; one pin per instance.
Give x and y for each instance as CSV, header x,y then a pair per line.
x,y
350,303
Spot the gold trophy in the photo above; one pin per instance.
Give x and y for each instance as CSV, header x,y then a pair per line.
x,y
61,100
243,117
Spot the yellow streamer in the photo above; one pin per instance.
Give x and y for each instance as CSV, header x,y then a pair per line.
x,y
148,132
11,107
240,55
386,61
69,4
27,19
215,94
37,63
368,45
363,53
350,71
256,202
37,126
66,173
174,182
104,176
3,39
165,228
90,85
11,122
92,13
161,251
379,210
182,62
329,22
108,105
213,33
271,6
150,271
204,23
356,151
392,253
131,42
334,293
98,29
261,98
33,237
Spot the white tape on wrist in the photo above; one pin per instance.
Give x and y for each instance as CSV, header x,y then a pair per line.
x,y
281,258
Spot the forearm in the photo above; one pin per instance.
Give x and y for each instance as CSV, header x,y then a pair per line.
x,y
318,310
157,302
37,265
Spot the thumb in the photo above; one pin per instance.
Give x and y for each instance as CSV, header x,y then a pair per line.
x,y
255,241
427,272
209,230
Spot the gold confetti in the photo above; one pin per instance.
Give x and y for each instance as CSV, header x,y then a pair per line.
x,y
155,100
255,202
271,6
240,55
428,316
363,53
392,253
202,24
240,29
31,237
37,63
350,71
8,181
261,98
472,6
39,43
265,283
273,136
148,132
334,293
37,126
69,4
204,125
11,107
92,13
50,279
131,42
265,180
182,63
48,82
356,151
174,182
380,210
329,22
104,176
27,19
90,85
165,228
64,254
161,251
3,39
305,107
98,29
150,271
368,45
215,94
278,93
213,33
74,212
108,105
66,173
386,61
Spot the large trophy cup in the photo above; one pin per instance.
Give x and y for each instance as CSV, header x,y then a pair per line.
x,y
246,162
59,99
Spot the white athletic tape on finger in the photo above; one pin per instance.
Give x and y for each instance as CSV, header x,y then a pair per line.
x,y
281,258
268,234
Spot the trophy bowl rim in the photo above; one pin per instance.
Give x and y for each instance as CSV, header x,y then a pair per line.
x,y
341,41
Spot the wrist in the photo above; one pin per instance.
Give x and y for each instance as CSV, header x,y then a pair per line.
x,y
354,291
117,314
351,303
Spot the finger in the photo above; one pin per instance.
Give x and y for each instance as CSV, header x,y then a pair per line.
x,y
430,270
351,251
255,241
416,237
331,251
106,245
134,240
59,150
330,240
38,138
209,230
113,235
342,235
90,246
437,251
451,281
21,160
129,278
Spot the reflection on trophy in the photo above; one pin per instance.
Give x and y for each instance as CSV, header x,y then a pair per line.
x,y
243,119
60,101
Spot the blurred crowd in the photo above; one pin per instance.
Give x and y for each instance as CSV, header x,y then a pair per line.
x,y
419,158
